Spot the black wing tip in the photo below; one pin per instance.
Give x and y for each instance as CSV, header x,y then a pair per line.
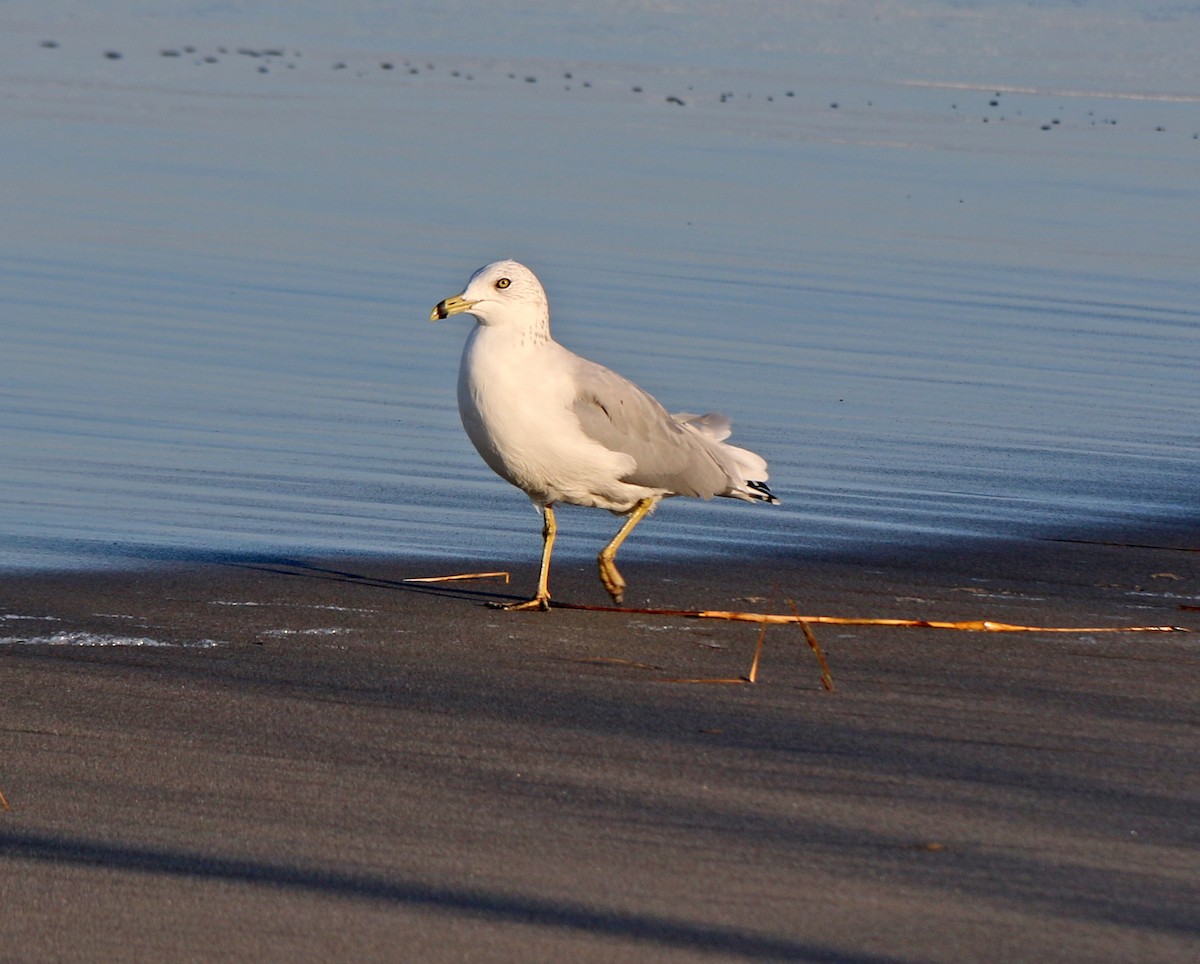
x,y
760,492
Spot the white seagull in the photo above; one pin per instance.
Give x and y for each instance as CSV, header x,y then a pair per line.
x,y
564,429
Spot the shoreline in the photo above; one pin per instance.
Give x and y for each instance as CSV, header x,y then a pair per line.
x,y
1117,569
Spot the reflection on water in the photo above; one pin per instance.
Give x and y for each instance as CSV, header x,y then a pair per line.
x,y
214,335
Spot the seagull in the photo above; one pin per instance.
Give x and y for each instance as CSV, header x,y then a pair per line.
x,y
565,429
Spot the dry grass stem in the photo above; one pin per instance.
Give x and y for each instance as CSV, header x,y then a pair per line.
x,y
811,638
969,625
752,676
460,576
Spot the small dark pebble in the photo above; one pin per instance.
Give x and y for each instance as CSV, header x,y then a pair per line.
x,y
675,100
168,53
210,60
385,66
113,54
1160,129
189,50
637,90
587,83
49,44
339,66
264,70
993,103
247,52
1045,127
791,93
531,80
567,75
413,70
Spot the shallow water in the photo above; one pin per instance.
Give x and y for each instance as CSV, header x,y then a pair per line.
x,y
935,315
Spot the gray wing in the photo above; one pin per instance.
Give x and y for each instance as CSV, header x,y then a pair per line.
x,y
620,416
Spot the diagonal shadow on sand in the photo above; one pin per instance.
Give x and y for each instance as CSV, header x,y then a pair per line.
x,y
643,928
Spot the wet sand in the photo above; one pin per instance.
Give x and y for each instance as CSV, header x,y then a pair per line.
x,y
366,769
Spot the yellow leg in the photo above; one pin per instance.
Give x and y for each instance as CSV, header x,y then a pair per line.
x,y
608,569
542,599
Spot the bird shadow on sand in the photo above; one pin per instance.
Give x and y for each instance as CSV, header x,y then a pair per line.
x,y
301,569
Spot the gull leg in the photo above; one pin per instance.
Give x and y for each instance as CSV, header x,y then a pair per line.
x,y
608,568
542,599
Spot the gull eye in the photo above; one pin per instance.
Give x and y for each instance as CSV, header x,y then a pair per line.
x,y
503,283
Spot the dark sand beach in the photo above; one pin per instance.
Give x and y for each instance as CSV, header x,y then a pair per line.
x,y
365,769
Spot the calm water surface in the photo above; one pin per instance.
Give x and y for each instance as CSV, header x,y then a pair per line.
x,y
932,316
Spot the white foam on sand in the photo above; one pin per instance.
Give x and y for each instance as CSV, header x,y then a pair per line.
x,y
103,640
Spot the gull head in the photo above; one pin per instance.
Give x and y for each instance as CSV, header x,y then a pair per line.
x,y
501,293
